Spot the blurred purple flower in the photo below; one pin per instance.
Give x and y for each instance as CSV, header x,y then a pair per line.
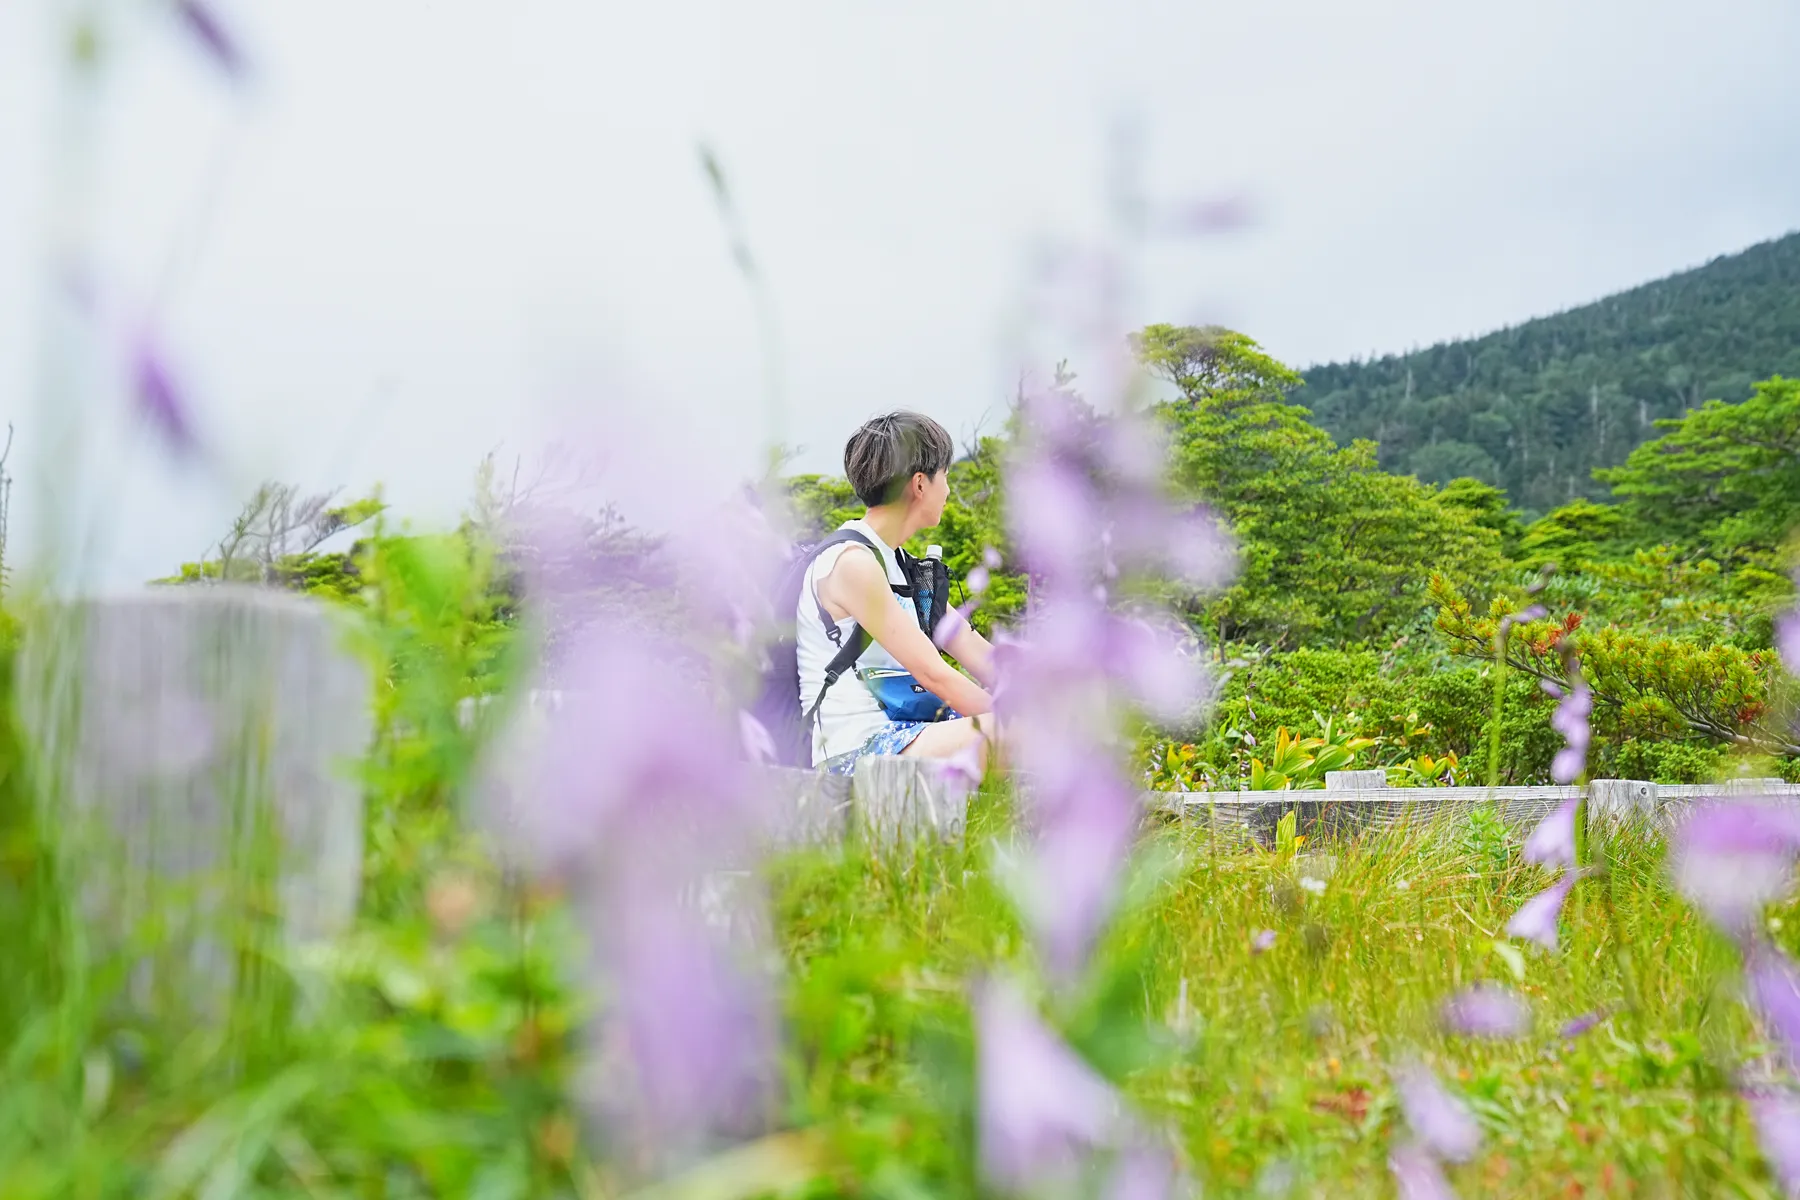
x,y
757,745
1525,616
159,398
962,772
1073,880
1041,1108
1142,1173
1263,942
977,581
990,558
1552,843
1732,859
632,738
638,791
1582,1024
1787,641
211,35
1536,920
699,1025
1051,519
1152,668
1086,506
1773,985
1486,1010
1417,1175
1199,551
1216,214
953,622
1442,1123
1776,1115
1571,720
730,556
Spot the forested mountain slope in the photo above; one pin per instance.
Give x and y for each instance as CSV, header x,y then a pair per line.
x,y
1537,407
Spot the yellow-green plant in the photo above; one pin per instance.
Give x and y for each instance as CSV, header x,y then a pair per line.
x,y
1301,762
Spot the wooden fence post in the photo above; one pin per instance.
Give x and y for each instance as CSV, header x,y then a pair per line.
x,y
195,749
896,799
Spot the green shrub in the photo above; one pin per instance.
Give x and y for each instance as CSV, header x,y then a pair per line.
x,y
1665,762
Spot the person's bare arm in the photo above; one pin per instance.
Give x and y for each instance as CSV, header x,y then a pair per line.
x,y
974,652
858,586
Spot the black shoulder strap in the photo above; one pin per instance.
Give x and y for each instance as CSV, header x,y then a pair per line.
x,y
836,539
848,650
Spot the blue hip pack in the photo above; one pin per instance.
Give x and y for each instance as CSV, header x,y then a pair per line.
x,y
902,697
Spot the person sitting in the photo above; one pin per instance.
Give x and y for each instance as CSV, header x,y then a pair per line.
x,y
898,465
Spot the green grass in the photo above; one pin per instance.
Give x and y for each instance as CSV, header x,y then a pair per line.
x,y
433,1051
435,1047
1270,1072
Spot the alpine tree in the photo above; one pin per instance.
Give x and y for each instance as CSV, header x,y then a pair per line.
x,y
1725,476
1330,545
1645,686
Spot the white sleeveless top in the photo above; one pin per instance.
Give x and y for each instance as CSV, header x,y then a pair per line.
x,y
850,714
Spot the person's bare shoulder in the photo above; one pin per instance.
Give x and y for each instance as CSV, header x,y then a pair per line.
x,y
856,572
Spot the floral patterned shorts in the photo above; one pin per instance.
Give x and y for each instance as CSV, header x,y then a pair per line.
x,y
891,738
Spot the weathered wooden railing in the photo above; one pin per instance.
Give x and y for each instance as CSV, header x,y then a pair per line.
x,y
1357,800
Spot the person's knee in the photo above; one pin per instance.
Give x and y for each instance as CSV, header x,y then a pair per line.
x,y
988,730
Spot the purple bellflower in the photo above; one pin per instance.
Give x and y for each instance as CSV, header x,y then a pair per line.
x,y
160,399
1525,616
156,394
962,772
1776,1115
210,34
1536,920
1552,843
1773,987
754,737
1417,1175
1142,1173
1441,1122
1087,508
1071,879
1042,1111
1787,636
1732,859
1486,1010
1263,942
1582,1024
1207,216
953,622
698,1023
1571,720
728,558
631,738
637,791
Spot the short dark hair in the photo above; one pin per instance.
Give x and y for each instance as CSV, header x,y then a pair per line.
x,y
882,456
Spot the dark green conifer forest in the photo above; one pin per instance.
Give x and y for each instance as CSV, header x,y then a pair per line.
x,y
1537,407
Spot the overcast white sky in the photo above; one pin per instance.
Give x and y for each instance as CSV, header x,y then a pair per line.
x,y
432,229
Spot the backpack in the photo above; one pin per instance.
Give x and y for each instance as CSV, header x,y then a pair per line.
x,y
777,703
